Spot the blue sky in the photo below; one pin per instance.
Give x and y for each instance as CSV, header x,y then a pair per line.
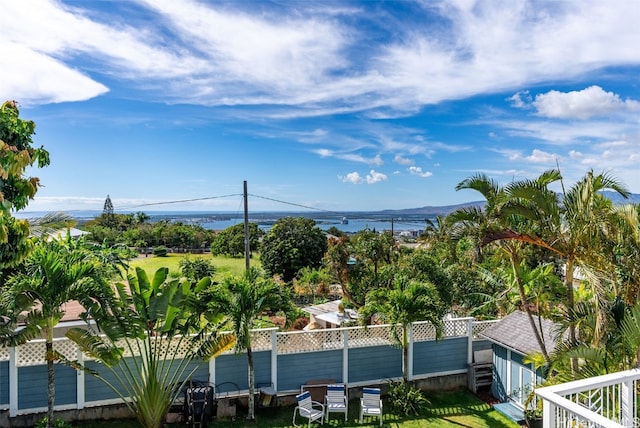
x,y
354,105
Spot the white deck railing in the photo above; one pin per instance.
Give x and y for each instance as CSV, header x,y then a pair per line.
x,y
608,401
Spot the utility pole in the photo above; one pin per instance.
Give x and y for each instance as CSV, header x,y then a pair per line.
x,y
247,249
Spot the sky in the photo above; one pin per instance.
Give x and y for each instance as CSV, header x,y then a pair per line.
x,y
328,105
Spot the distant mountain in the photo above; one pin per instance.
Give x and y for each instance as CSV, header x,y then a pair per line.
x,y
430,210
617,199
444,210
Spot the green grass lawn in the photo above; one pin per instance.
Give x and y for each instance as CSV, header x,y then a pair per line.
x,y
456,409
223,265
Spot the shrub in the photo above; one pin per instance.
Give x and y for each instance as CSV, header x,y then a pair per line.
x,y
405,398
57,423
197,268
160,251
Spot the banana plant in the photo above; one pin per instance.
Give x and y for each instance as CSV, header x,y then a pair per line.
x,y
150,340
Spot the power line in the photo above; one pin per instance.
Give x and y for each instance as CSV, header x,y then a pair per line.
x,y
180,201
295,204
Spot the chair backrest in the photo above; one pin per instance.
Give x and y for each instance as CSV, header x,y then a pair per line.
x,y
336,393
304,400
371,397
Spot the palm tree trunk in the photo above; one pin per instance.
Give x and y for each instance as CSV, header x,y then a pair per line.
x,y
525,304
251,400
568,283
51,390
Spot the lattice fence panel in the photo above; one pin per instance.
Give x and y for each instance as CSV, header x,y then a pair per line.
x,y
261,340
455,328
67,348
480,326
31,353
4,354
374,335
423,331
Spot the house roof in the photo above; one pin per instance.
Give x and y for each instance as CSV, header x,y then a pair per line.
x,y
514,331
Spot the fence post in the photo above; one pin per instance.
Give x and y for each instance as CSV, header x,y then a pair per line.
x,y
548,414
345,356
13,381
80,398
627,403
470,340
274,359
410,352
212,371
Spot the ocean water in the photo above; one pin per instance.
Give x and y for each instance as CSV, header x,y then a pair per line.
x,y
222,220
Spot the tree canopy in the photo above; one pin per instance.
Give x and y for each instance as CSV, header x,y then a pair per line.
x,y
16,189
292,244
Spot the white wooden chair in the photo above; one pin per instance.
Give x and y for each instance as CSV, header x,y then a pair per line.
x,y
371,403
312,410
336,400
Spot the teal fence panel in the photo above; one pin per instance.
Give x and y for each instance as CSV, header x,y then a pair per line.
x,y
4,383
376,362
295,370
33,386
481,345
440,356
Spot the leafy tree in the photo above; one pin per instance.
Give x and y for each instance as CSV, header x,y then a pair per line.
x,y
243,300
315,282
55,273
292,244
406,302
362,263
154,322
16,189
230,242
196,268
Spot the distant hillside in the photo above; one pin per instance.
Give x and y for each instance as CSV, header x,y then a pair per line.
x,y
431,211
444,210
617,199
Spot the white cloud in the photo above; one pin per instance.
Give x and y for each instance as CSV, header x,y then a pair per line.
x,y
399,159
584,104
325,153
520,99
352,177
574,154
375,177
416,170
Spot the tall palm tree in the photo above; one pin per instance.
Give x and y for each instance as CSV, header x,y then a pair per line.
x,y
160,324
243,300
55,273
406,302
507,219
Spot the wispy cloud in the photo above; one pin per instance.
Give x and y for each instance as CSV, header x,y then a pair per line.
x,y
226,54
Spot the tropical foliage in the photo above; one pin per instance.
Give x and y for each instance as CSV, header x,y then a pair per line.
x,y
151,340
56,272
243,300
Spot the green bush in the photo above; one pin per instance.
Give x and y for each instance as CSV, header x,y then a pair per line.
x,y
58,423
405,398
160,251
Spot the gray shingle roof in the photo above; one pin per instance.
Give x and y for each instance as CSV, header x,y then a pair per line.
x,y
514,332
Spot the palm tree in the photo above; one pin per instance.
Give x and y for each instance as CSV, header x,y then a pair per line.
x,y
243,300
406,302
507,219
55,273
161,326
